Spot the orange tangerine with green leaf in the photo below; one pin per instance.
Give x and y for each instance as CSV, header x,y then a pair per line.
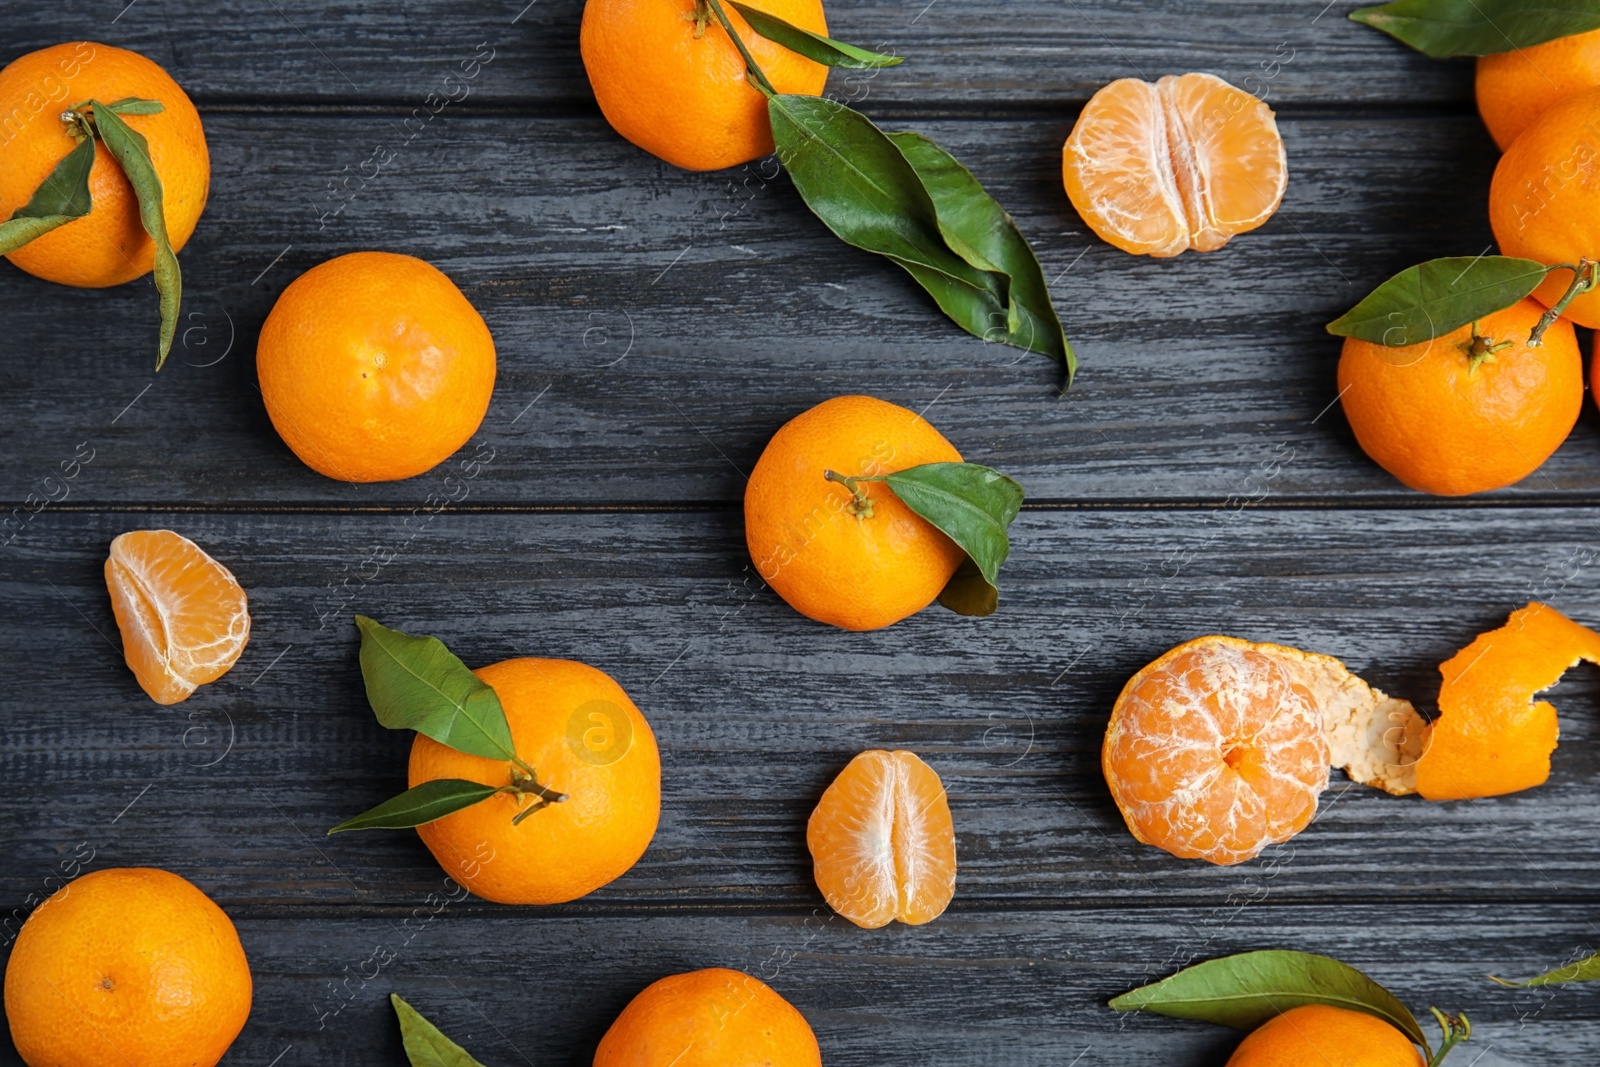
x,y
859,514
106,170
532,781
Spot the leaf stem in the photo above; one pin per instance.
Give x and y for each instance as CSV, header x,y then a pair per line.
x,y
757,76
1457,1028
1585,276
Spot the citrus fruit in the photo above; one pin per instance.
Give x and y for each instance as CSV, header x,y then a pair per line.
x,y
1544,201
1325,1036
668,78
374,367
859,568
1188,162
1491,736
109,245
1221,746
882,843
583,738
184,619
1514,88
710,1018
1474,410
128,966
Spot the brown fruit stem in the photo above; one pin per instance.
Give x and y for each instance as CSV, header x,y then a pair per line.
x,y
860,502
757,77
1457,1028
1585,276
1481,349
525,783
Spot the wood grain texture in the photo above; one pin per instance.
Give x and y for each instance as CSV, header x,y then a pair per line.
x,y
1039,53
655,327
756,708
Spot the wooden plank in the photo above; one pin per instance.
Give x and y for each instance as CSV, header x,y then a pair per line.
x,y
1023,988
757,708
1041,53
656,327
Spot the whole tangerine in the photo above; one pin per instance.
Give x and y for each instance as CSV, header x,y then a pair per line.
x,y
374,367
1328,1037
128,966
668,78
1472,411
1514,88
109,245
858,565
726,1017
584,739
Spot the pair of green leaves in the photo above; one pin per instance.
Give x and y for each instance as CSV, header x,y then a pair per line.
x,y
416,683
425,1043
64,196
1247,990
904,197
972,505
1438,297
1445,28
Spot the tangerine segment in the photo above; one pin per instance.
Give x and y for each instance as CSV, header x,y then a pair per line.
x,y
1214,752
1188,162
183,616
1491,736
883,843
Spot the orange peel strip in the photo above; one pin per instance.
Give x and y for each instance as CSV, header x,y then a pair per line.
x,y
1492,737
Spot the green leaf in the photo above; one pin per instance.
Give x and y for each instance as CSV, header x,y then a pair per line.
x,y
132,105
1584,970
415,683
62,197
425,1045
979,230
1245,991
969,593
1439,297
813,46
1443,28
420,804
973,505
133,153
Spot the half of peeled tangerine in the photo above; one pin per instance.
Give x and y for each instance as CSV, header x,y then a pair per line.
x,y
183,616
1187,162
882,842
1491,736
1222,746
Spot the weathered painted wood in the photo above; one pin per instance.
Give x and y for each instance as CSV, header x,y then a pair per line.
x,y
757,708
656,327
1040,53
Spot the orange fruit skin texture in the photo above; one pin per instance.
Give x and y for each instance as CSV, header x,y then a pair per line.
x,y
568,849
882,841
686,99
1514,88
1318,1035
711,1018
183,616
375,367
1213,752
1188,162
128,966
109,245
857,573
1491,736
1425,415
1544,201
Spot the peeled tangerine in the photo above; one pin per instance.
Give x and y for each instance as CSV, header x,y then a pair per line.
x,y
882,842
1185,163
1221,747
1491,736
183,616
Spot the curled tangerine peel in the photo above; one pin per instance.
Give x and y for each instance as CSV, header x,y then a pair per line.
x,y
1187,162
1492,737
